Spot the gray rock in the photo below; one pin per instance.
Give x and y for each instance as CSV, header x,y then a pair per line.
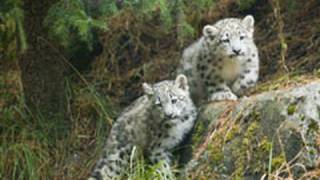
x,y
274,132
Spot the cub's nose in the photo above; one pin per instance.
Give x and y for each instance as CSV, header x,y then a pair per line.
x,y
236,51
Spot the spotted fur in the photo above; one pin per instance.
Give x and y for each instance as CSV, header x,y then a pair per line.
x,y
154,124
224,62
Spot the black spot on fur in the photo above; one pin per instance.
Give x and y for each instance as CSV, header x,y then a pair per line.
x,y
118,162
101,164
128,150
243,86
133,134
158,154
253,55
242,77
117,172
121,154
204,67
185,118
220,89
247,71
250,82
96,175
167,126
249,60
198,66
204,56
119,146
212,84
110,168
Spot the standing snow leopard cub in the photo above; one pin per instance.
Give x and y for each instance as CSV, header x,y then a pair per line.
x,y
154,124
224,62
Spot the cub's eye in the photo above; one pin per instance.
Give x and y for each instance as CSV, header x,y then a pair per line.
x,y
173,101
241,37
225,40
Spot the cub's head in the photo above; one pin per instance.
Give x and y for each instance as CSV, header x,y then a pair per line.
x,y
170,97
231,36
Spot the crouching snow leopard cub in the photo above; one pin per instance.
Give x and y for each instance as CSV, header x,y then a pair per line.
x,y
154,124
224,62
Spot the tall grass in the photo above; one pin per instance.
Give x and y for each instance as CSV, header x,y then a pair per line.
x,y
24,151
31,149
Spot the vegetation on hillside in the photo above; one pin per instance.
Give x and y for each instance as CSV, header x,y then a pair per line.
x,y
108,48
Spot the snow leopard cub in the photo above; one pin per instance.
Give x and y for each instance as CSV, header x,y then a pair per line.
x,y
154,124
224,62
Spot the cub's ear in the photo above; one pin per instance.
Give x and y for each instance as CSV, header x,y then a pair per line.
x,y
209,31
182,82
147,89
248,23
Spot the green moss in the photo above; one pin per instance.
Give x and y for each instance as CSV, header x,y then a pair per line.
x,y
278,161
292,108
265,145
252,144
198,133
215,153
241,149
232,133
253,116
313,126
245,4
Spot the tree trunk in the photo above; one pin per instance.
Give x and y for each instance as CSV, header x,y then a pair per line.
x,y
42,69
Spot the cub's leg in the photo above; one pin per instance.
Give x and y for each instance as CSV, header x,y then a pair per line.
x,y
164,156
218,90
245,80
112,165
158,155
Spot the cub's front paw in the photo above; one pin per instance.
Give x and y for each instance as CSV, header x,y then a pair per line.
x,y
222,96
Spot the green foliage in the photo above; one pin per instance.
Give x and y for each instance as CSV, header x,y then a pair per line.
x,y
246,4
141,170
150,8
12,36
292,5
203,4
68,21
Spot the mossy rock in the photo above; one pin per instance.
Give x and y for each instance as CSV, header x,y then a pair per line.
x,y
258,135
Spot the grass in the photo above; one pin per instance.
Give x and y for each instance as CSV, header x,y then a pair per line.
x,y
29,150
26,146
